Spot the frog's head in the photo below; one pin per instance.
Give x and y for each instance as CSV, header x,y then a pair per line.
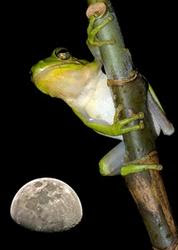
x,y
62,75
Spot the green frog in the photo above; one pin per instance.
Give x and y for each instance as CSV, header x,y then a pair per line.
x,y
83,86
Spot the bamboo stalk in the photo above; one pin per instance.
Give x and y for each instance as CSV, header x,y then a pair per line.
x,y
130,89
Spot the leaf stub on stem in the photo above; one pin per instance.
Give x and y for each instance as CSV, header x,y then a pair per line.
x,y
98,9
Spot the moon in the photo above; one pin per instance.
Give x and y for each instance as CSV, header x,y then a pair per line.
x,y
46,205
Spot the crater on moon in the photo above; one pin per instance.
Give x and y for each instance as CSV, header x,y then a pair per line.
x,y
46,205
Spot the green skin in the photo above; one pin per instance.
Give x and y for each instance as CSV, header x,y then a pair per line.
x,y
64,61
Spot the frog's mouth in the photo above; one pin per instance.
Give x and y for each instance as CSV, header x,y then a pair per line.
x,y
70,65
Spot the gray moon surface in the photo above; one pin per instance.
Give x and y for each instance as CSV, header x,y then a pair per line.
x,y
46,205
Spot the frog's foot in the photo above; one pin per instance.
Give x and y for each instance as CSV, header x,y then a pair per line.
x,y
120,124
135,168
92,32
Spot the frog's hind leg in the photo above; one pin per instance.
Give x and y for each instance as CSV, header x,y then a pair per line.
x,y
113,161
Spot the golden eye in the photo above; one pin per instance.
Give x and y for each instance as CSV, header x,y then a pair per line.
x,y
62,53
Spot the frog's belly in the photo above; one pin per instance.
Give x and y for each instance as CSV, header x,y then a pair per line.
x,y
100,105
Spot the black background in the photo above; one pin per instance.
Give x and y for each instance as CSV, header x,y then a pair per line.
x,y
41,137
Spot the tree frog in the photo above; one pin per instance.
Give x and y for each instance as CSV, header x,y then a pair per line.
x,y
83,86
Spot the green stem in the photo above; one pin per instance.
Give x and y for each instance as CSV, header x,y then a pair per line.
x,y
146,187
117,60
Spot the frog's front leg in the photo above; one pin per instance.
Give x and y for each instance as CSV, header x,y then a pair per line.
x,y
113,163
117,128
92,32
120,127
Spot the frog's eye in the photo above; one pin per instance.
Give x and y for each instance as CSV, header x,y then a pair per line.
x,y
62,53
